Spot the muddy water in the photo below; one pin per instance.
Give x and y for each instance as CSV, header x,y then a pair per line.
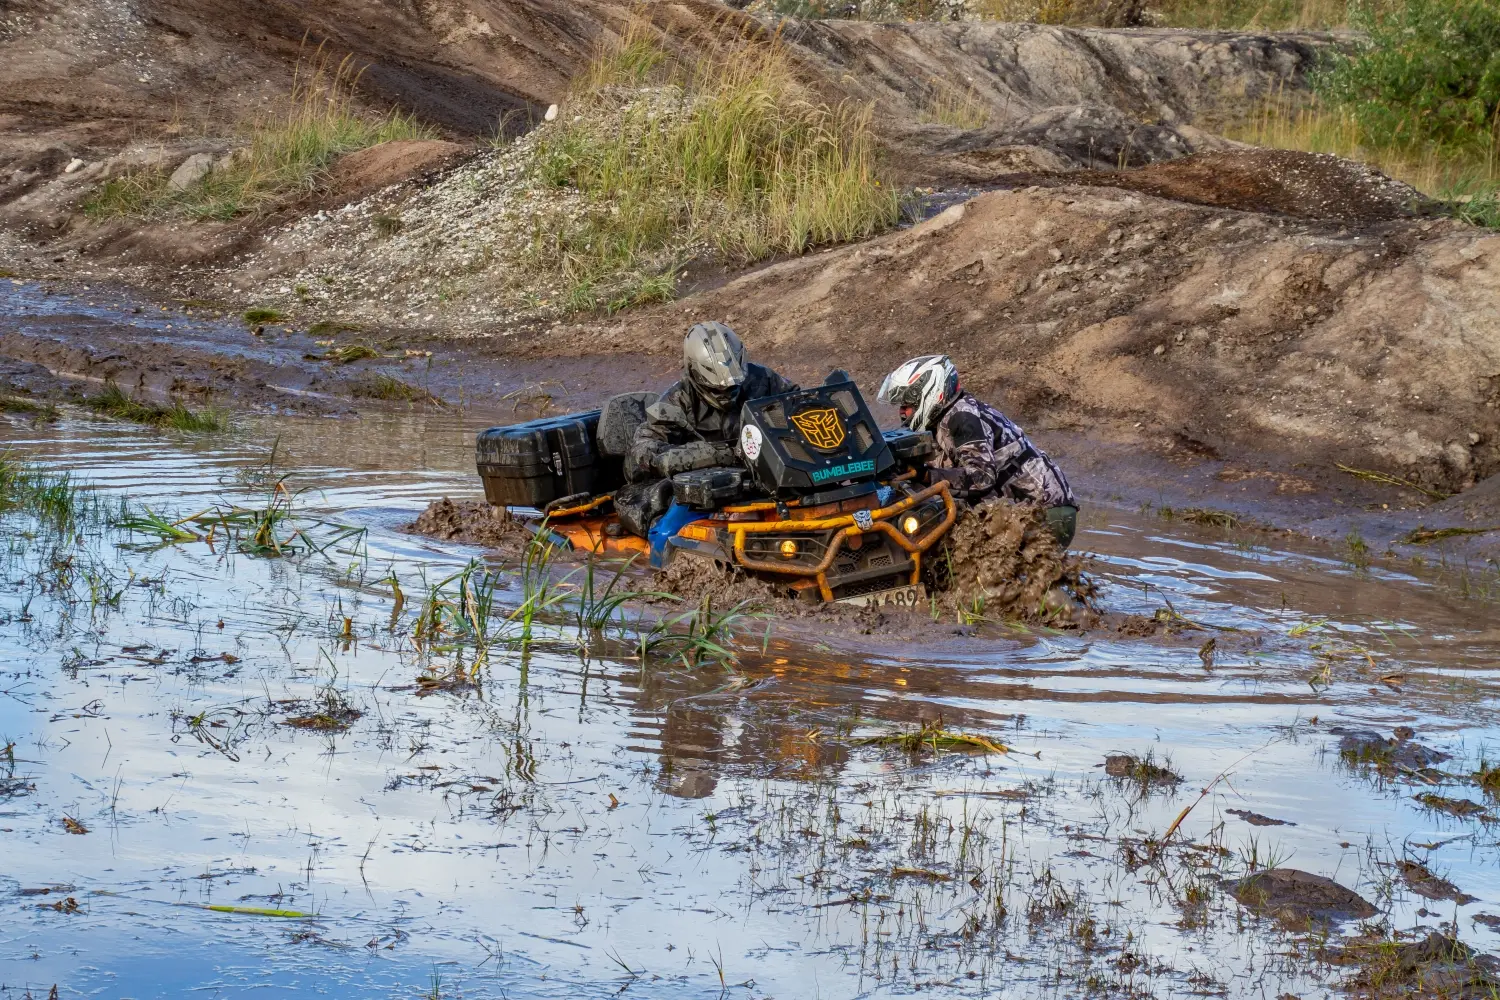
x,y
578,825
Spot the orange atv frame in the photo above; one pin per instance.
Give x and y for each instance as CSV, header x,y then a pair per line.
x,y
842,525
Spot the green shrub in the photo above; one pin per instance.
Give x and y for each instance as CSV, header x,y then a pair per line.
x,y
728,154
1427,73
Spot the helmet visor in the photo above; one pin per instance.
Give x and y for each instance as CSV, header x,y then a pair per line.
x,y
907,395
720,398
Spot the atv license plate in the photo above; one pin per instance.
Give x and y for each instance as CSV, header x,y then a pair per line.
x,y
910,596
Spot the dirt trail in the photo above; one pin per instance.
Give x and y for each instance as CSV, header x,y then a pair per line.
x,y
1204,331
109,87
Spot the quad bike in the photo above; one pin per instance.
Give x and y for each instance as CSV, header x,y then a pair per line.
x,y
826,505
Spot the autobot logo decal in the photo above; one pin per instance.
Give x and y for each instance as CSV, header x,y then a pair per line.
x,y
822,428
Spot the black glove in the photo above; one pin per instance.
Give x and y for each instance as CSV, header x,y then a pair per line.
x,y
696,455
957,478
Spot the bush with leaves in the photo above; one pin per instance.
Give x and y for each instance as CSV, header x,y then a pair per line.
x,y
1427,73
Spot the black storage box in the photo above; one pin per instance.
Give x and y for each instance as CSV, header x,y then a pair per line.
x,y
532,464
910,447
709,489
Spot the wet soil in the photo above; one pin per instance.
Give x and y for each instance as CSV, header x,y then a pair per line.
x,y
473,522
1299,899
1435,966
1279,181
1001,560
700,580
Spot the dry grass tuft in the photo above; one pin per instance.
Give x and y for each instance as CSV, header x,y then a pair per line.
x,y
282,153
934,737
727,155
963,108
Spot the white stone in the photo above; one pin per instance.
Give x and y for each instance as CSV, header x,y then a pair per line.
x,y
551,114
190,172
74,165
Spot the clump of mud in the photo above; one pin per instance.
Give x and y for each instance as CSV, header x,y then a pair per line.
x,y
1300,899
1144,771
1398,757
472,522
1439,965
695,578
1003,561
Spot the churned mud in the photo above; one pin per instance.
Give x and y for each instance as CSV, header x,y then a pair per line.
x,y
1002,560
472,522
704,579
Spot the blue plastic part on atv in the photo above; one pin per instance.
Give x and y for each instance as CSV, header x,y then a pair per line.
x,y
665,527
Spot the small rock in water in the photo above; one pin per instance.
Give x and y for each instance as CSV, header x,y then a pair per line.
x,y
190,172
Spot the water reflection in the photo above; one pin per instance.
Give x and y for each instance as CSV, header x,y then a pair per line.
x,y
575,825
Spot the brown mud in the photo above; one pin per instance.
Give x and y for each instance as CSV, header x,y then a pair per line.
x,y
1299,899
473,522
1001,560
1438,966
1001,563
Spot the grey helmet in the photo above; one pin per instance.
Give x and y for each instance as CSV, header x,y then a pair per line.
x,y
713,361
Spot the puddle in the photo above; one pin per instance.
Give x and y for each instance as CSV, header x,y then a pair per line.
x,y
576,825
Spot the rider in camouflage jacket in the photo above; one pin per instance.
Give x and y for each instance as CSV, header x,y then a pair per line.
x,y
684,431
980,451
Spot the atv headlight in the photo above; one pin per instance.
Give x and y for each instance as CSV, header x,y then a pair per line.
x,y
789,549
910,524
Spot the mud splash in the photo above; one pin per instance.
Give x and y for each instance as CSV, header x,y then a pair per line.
x,y
1002,560
703,579
472,522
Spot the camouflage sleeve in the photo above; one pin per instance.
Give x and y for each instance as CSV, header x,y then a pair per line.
x,y
662,431
665,445
974,474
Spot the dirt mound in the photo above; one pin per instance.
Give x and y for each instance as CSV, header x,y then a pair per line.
x,y
472,522
1250,179
1002,561
1192,330
1298,898
369,170
1397,757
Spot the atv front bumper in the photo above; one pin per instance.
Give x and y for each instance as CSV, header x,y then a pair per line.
x,y
829,552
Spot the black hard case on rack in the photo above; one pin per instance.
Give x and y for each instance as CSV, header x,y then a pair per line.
x,y
532,464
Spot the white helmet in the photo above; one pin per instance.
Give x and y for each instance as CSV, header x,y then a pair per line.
x,y
713,360
928,385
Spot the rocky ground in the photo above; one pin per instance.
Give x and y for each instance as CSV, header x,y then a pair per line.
x,y
1121,278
